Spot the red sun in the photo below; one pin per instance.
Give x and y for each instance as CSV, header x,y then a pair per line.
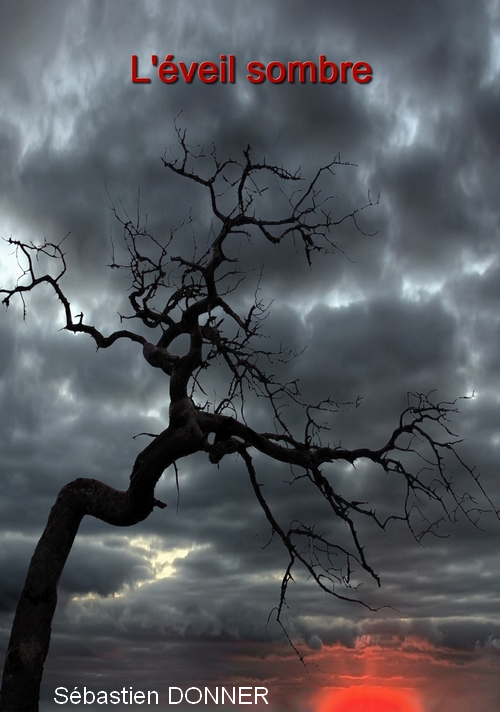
x,y
370,699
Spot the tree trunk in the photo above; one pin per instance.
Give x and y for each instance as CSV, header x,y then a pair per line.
x,y
30,637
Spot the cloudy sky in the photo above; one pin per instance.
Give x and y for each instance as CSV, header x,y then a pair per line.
x,y
183,598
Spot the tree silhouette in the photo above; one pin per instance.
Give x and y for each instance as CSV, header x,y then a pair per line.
x,y
188,304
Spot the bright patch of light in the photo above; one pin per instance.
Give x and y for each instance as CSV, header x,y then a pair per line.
x,y
415,291
406,128
161,563
88,597
254,579
161,560
370,698
153,413
478,266
64,391
335,299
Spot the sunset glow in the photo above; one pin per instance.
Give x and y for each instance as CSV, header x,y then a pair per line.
x,y
370,699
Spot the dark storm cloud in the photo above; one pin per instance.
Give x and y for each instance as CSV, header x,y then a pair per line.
x,y
413,307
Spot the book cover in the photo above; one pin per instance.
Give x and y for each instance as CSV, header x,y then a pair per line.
x,y
249,271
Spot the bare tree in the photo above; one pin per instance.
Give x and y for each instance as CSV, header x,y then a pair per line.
x,y
175,296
